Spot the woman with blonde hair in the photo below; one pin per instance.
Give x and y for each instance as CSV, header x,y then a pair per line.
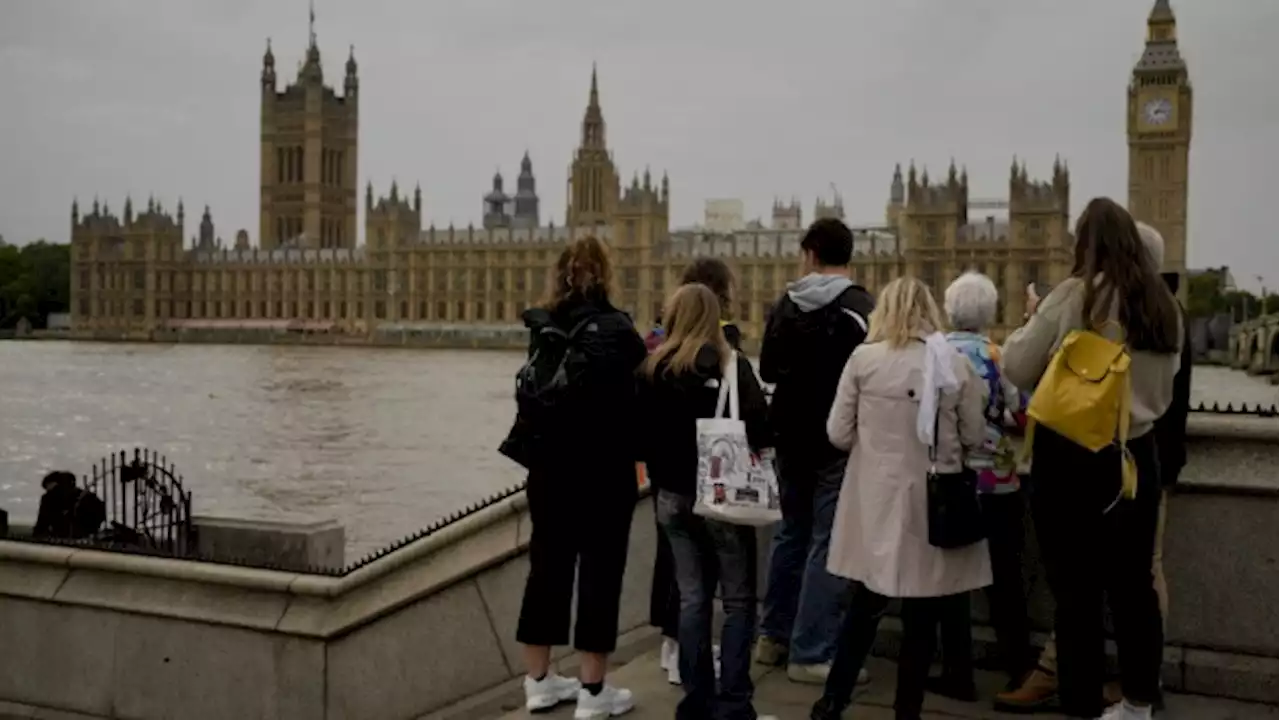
x,y
907,404
680,383
575,433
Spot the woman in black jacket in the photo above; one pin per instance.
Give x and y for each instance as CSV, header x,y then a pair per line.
x,y
664,595
575,432
680,383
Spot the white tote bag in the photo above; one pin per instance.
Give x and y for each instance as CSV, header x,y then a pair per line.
x,y
735,485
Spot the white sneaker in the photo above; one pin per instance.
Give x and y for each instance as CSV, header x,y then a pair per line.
x,y
1125,711
550,691
669,659
611,702
670,653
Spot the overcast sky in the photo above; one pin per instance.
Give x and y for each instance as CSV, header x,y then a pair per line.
x,y
733,99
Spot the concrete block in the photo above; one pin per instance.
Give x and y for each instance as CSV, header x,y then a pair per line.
x,y
1222,579
182,599
502,590
32,580
433,652
279,544
166,668
57,656
1242,677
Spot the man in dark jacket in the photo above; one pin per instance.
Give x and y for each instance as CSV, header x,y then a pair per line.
x,y
810,334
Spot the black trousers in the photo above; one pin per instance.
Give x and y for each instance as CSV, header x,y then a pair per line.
x,y
1093,557
1004,517
921,618
664,593
582,525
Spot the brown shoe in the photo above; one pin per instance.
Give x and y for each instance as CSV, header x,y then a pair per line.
x,y
770,652
1038,690
1111,694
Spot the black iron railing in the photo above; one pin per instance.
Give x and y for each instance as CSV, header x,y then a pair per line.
x,y
146,504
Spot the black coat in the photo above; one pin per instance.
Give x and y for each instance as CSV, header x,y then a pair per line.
x,y
597,434
670,407
1171,428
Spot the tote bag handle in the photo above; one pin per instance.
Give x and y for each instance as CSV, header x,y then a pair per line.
x,y
728,388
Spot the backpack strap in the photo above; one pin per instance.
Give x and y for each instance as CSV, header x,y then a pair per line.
x,y
862,323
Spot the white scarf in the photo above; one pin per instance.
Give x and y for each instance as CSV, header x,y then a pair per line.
x,y
939,377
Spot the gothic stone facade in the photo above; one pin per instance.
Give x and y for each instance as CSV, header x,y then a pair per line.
x,y
133,275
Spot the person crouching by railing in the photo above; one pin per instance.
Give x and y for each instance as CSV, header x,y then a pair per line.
x,y
67,511
680,384
906,408
970,303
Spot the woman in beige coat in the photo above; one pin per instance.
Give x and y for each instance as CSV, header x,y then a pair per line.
x,y
897,387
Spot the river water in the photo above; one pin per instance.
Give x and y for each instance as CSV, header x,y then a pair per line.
x,y
384,440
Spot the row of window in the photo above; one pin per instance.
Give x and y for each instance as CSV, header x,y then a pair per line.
x,y
499,311
291,165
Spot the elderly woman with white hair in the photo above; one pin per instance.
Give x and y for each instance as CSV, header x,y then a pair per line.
x,y
971,303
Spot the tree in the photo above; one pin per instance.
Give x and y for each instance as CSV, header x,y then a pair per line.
x,y
35,280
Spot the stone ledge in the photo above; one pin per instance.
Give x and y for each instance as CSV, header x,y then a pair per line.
x,y
1242,677
308,605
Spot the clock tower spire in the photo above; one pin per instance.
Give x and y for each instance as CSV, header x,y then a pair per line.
x,y
1159,129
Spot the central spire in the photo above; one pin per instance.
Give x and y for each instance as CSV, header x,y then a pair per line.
x,y
594,101
311,26
593,119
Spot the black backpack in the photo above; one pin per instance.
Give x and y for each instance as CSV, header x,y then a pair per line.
x,y
545,381
824,338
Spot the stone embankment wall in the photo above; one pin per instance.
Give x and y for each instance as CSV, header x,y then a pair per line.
x,y
429,630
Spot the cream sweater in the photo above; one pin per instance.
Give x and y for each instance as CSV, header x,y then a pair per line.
x,y
1028,350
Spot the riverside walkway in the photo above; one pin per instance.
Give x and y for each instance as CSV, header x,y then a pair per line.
x,y
778,696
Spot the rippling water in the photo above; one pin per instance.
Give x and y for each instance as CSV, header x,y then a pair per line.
x,y
383,440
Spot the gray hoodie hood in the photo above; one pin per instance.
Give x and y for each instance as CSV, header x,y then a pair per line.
x,y
815,291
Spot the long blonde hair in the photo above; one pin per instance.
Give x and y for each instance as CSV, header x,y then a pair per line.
x,y
691,320
905,310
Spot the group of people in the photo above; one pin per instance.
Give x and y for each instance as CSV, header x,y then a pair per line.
x,y
873,398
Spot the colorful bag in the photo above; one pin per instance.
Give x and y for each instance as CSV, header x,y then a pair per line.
x,y
734,484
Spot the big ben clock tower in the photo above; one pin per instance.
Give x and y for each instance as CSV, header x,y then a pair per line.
x,y
1159,125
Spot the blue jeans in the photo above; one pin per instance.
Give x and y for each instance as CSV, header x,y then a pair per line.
x,y
803,603
707,553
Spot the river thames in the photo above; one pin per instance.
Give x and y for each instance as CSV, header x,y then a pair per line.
x,y
383,440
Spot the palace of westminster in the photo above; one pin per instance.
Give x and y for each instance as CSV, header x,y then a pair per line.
x,y
133,274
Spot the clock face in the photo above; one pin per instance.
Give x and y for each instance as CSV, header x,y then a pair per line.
x,y
1157,111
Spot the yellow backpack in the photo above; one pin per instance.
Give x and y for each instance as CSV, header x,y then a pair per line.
x,y
1084,397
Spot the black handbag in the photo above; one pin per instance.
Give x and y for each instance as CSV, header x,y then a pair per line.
x,y
955,512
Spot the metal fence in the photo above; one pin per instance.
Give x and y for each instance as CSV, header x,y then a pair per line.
x,y
146,505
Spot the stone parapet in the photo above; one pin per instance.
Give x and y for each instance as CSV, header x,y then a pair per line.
x,y
432,624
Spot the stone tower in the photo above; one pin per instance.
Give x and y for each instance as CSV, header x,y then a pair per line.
x,y
308,164
897,198
497,205
1159,124
526,215
593,179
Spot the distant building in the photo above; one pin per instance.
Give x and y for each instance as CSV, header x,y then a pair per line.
x,y
723,216
133,274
